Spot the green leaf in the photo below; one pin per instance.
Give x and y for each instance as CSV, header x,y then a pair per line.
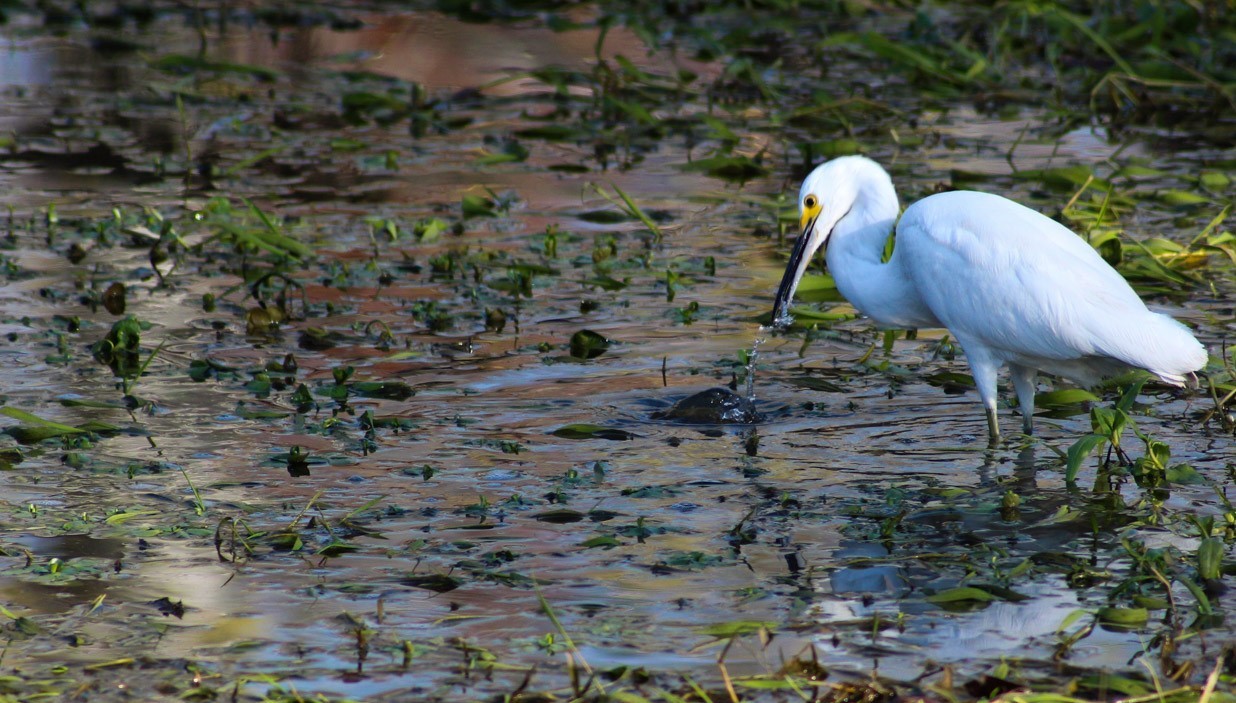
x,y
588,431
1108,422
23,416
287,541
1210,558
603,541
385,390
1123,617
586,344
368,102
1065,397
429,230
87,403
183,63
551,132
438,583
561,516
1182,198
604,217
273,238
736,628
605,283
1064,177
766,684
123,517
1203,601
1118,684
837,147
41,429
477,206
961,594
1129,396
512,152
1214,180
1071,618
337,548
1150,603
730,168
345,144
1077,453
1184,475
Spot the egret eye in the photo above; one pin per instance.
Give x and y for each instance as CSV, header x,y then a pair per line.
x,y
809,202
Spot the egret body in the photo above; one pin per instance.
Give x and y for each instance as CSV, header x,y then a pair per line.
x,y
1013,287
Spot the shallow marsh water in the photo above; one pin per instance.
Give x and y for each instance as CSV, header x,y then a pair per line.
x,y
401,560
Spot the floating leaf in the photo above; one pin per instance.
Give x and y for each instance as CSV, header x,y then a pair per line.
x,y
377,106
730,168
68,402
386,390
561,516
605,283
1123,617
1065,177
736,628
961,594
1150,603
1111,683
33,419
167,606
604,217
512,152
603,541
286,541
39,429
551,132
477,206
346,144
837,147
337,548
1214,180
438,583
123,517
951,381
587,431
1065,397
182,63
1182,197
586,344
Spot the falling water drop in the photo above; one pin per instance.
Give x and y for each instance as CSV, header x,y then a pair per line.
x,y
760,338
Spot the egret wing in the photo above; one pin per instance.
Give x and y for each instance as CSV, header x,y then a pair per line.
x,y
1023,285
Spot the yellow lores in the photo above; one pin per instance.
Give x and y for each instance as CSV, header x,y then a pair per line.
x,y
1014,287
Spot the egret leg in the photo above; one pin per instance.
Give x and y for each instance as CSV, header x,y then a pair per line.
x,y
993,426
1023,378
983,368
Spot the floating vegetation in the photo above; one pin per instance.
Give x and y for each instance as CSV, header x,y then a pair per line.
x,y
341,347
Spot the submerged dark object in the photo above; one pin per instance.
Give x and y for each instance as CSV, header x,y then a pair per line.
x,y
713,406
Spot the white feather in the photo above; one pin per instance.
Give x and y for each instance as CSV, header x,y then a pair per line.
x,y
1013,286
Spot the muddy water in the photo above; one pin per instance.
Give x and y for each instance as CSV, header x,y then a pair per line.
x,y
864,489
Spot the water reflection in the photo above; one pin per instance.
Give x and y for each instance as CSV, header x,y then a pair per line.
x,y
862,489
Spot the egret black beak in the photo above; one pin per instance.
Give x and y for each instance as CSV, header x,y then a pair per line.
x,y
799,258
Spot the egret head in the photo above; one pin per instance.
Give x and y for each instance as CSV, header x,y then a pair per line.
x,y
826,196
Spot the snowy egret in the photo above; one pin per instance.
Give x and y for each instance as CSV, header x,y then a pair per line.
x,y
1013,286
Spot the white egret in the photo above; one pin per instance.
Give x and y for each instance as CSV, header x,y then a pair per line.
x,y
1013,286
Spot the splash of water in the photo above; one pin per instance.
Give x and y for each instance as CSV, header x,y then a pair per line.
x,y
760,338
